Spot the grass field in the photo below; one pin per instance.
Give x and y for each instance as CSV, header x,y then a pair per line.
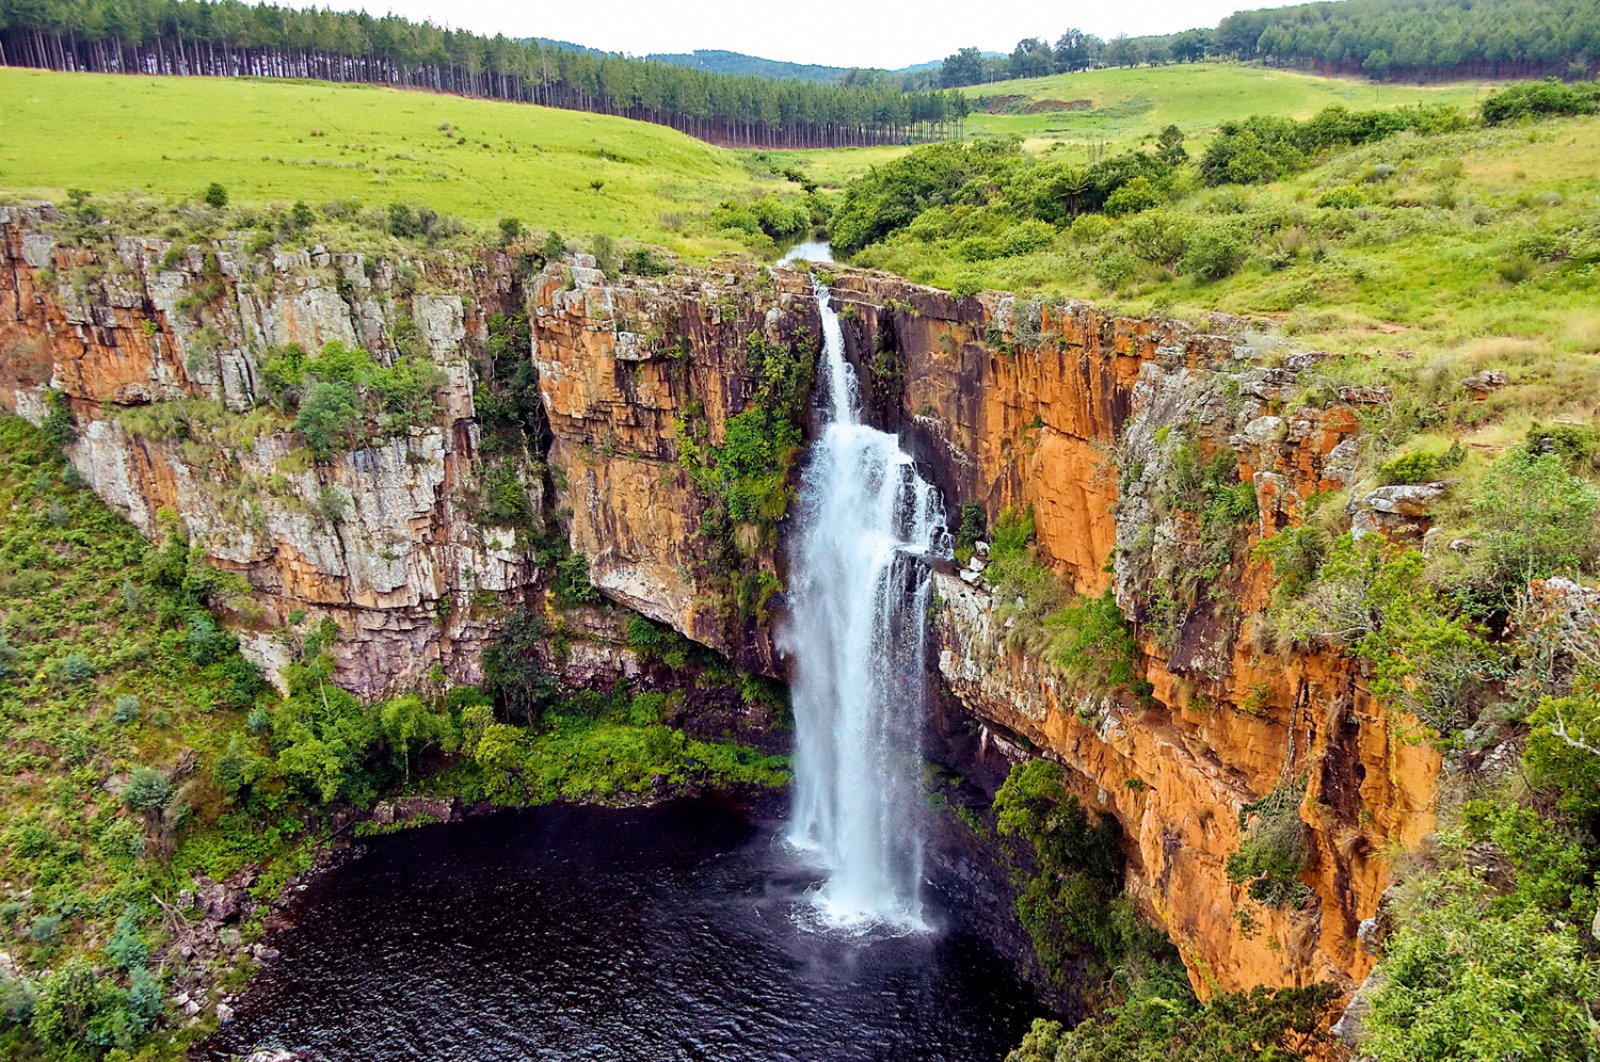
x,y
1128,106
278,142
1469,250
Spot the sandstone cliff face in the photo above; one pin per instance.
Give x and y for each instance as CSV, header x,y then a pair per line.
x,y
159,354
1077,414
1064,409
620,367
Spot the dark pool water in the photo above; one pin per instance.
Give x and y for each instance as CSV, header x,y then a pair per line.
x,y
617,936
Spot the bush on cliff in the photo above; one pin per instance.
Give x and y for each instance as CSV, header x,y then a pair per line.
x,y
1067,865
345,399
1488,960
1262,1025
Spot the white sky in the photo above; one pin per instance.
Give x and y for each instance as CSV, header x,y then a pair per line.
x,y
859,33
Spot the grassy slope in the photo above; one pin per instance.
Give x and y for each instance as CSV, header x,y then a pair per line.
x,y
1428,268
273,141
1129,106
70,587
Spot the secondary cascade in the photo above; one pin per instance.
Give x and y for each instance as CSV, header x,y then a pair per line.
x,y
859,595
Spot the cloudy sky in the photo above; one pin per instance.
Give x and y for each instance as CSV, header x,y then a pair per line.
x,y
859,33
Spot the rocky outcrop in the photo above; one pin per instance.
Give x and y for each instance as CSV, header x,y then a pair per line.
x,y
1079,415
1086,418
158,348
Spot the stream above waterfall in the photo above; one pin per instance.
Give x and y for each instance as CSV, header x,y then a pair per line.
x,y
641,935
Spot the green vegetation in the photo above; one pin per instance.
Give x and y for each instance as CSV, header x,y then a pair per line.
x,y
1273,851
1491,958
745,480
1085,640
142,750
1395,39
271,144
1427,628
1071,903
1262,1025
344,400
1421,38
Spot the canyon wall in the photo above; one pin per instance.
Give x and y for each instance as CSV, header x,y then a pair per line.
x,y
1063,409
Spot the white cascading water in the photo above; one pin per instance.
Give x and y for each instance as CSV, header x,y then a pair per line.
x,y
858,601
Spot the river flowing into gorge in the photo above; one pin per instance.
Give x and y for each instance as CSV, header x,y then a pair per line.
x,y
856,634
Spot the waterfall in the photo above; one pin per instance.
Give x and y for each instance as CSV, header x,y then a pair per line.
x,y
858,599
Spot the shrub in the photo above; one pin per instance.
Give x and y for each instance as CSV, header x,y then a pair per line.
x,y
1214,252
58,424
1532,98
75,667
419,222
1347,197
645,262
330,419
127,947
216,195
974,524
510,232
1417,466
148,790
1138,194
1272,851
1114,268
1024,237
1158,236
1535,519
125,709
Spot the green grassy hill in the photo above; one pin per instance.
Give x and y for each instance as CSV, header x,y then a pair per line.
x,y
1463,251
273,141
1118,107
1109,110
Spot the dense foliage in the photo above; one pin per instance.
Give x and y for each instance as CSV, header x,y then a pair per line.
x,y
1411,38
227,38
1380,38
1067,863
1262,1025
745,479
344,399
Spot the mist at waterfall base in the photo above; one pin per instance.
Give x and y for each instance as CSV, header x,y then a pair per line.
x,y
855,635
641,935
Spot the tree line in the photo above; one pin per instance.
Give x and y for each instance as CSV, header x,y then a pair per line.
x,y
1423,38
1384,39
227,38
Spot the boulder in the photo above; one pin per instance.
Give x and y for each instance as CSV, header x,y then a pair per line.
x,y
1482,383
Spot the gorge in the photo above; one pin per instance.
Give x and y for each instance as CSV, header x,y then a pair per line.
x,y
158,349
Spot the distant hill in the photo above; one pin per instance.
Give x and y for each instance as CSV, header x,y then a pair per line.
x,y
722,61
718,61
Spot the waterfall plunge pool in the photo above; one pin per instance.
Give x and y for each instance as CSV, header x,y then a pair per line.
x,y
639,935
